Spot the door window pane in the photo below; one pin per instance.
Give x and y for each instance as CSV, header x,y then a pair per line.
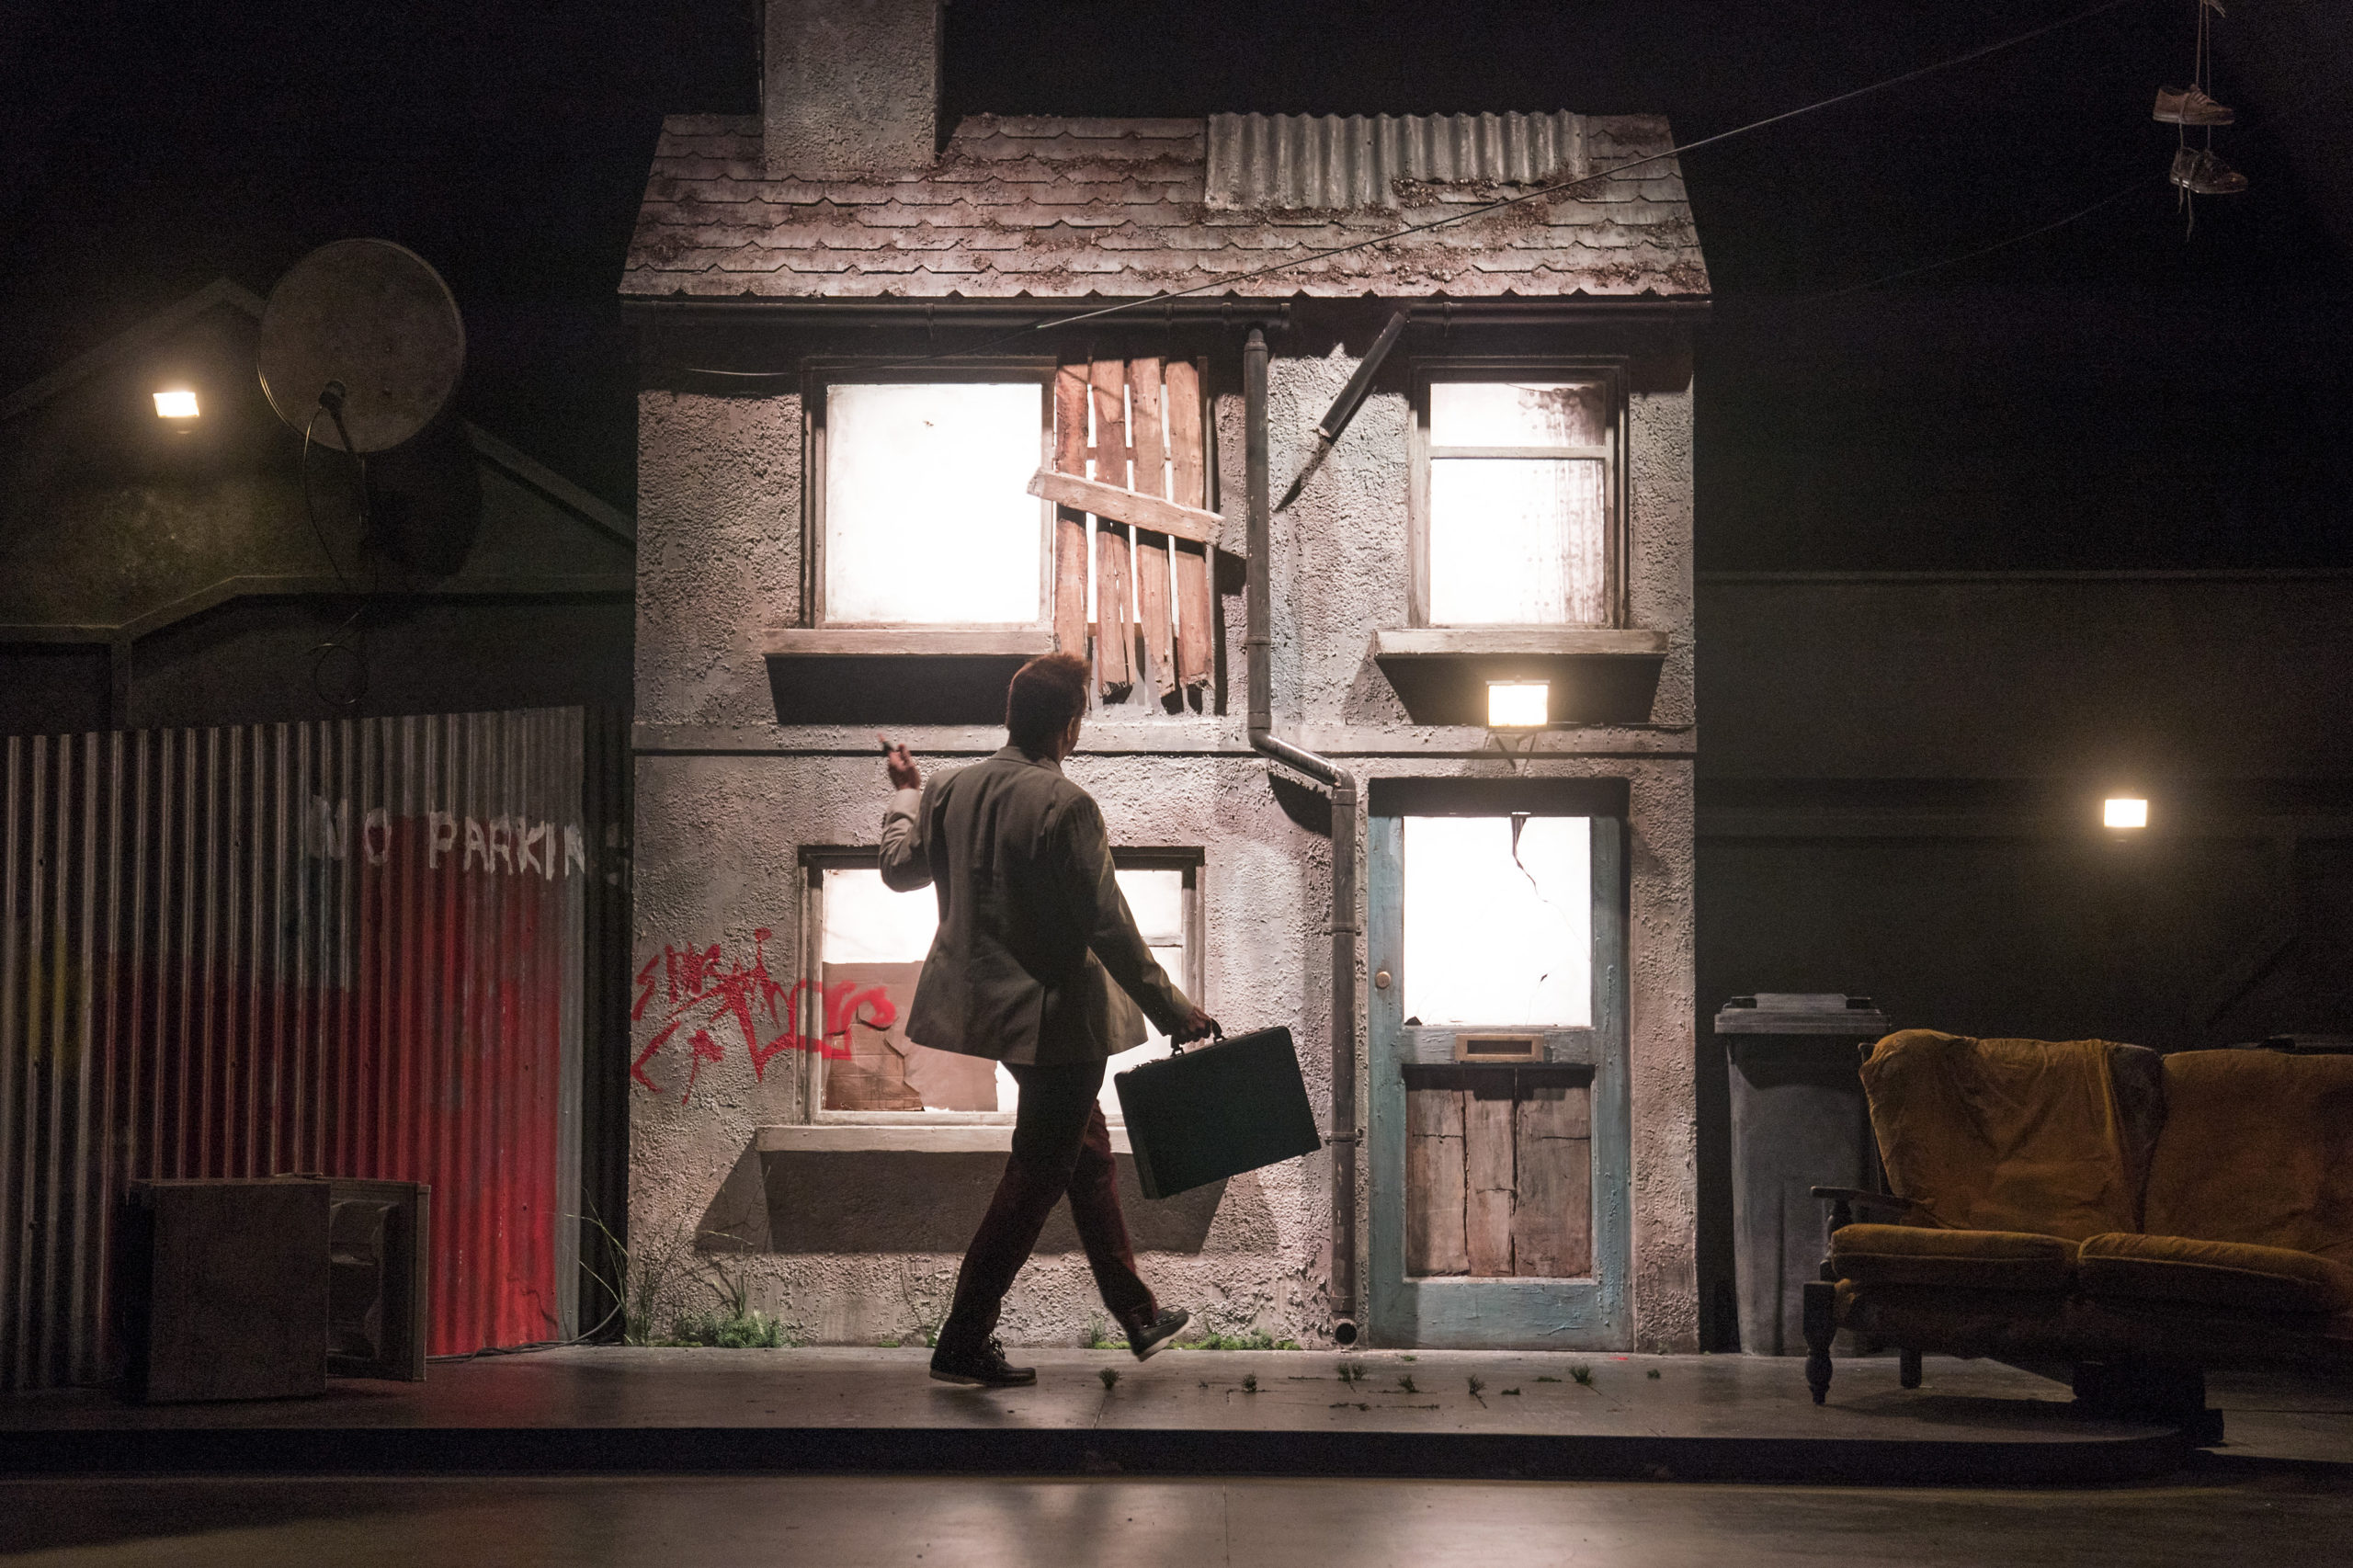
x,y
927,515
1499,921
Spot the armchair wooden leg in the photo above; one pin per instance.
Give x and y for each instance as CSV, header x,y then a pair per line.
x,y
1907,1368
1821,1326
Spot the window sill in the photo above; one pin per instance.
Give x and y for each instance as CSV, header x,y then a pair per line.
x,y
1516,642
896,674
900,1138
1598,674
908,642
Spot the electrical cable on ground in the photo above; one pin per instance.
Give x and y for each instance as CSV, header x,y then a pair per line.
x,y
1473,213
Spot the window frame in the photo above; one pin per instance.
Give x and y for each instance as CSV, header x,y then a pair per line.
x,y
817,860
1610,371
819,376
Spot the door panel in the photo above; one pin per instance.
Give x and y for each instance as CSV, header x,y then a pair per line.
x,y
1499,1193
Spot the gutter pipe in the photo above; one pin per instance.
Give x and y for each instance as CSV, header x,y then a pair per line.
x,y
1259,646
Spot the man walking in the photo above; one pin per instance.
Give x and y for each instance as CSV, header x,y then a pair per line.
x,y
1034,965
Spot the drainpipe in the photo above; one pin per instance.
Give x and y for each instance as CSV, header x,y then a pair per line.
x,y
1258,647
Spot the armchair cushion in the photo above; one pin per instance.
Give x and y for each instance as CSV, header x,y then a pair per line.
x,y
2016,1135
1965,1260
2229,1275
2258,1147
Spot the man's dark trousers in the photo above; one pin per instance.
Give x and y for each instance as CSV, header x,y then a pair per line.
x,y
1061,1144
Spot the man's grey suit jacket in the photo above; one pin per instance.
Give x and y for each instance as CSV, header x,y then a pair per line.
x,y
1033,930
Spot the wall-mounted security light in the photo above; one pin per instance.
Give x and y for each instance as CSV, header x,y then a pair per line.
x,y
177,403
1518,704
2124,811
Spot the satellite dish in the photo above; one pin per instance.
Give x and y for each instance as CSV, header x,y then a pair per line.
x,y
370,318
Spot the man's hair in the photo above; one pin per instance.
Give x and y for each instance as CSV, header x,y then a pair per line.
x,y
1047,693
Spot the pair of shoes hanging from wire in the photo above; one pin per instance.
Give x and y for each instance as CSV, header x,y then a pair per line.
x,y
2198,170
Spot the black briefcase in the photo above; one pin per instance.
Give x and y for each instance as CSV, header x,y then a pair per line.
x,y
1216,1110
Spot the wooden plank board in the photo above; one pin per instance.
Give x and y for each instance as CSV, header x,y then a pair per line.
x,y
1487,1187
1158,675
1114,503
1552,1223
1189,481
1069,522
1434,1241
1114,641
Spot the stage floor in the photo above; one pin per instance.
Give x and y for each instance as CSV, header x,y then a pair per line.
x,y
1434,1414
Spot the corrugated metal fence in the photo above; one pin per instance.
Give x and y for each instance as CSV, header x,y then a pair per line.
x,y
351,946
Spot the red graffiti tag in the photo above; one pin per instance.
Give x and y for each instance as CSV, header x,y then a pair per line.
x,y
699,989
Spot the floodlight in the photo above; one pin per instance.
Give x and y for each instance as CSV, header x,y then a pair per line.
x,y
1518,704
177,403
2124,811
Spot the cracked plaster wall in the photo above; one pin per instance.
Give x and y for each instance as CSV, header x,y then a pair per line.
x,y
718,834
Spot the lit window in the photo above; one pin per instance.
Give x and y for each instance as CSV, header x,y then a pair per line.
x,y
928,518
1519,501
1518,704
178,403
2125,810
875,942
1499,921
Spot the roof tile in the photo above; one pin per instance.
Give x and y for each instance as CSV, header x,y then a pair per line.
x,y
1104,208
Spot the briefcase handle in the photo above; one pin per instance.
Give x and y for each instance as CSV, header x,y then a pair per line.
x,y
1217,1031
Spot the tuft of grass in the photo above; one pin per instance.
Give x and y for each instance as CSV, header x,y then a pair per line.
x,y
1098,1337
1546,1379
1405,1384
1352,1372
751,1329
1253,1341
887,1344
1583,1374
1110,1376
1409,1357
1478,1387
1651,1373
1250,1382
1513,1392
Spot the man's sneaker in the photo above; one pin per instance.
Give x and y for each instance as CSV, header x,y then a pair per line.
x,y
1147,1337
984,1368
2188,106
2200,173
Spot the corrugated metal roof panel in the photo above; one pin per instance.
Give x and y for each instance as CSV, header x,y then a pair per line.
x,y
1347,163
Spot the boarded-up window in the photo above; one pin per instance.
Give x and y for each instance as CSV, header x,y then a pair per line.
x,y
1139,601
1499,921
872,953
1516,521
927,515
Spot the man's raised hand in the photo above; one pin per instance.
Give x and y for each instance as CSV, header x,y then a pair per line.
x,y
900,765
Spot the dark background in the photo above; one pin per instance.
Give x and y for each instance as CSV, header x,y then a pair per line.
x,y
2113,393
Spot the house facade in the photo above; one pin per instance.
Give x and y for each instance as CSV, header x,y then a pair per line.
x,y
1355,456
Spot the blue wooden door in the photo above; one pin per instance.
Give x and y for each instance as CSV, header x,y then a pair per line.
x,y
1523,1121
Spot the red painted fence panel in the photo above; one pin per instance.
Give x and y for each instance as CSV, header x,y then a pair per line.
x,y
352,948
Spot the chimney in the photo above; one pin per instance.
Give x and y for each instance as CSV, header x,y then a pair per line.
x,y
848,85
